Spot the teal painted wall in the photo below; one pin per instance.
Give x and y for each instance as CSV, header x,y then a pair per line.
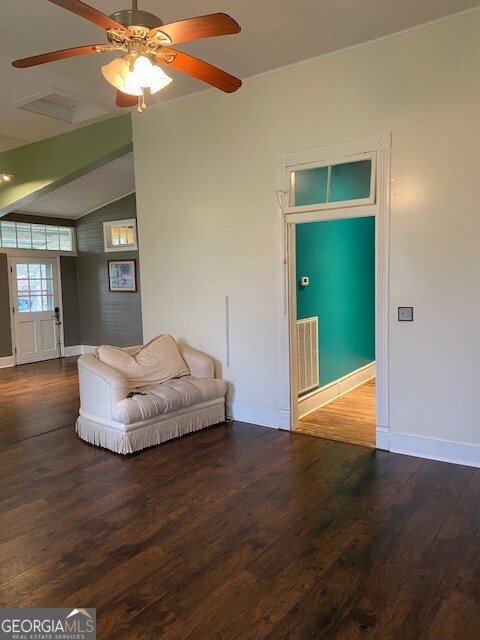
x,y
339,258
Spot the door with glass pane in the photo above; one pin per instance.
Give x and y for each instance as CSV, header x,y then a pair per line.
x,y
36,324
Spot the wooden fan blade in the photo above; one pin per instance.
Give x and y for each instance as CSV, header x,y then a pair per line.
x,y
215,24
89,13
61,55
199,69
125,100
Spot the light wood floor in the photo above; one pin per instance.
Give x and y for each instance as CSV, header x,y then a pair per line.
x,y
351,418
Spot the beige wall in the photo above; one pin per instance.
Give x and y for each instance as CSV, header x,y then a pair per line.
x,y
208,213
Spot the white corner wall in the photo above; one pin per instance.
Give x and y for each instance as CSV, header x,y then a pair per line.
x,y
208,225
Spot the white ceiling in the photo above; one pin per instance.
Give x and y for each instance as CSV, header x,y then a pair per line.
x,y
88,193
275,33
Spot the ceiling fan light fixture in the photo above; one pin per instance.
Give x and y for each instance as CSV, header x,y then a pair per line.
x,y
133,79
116,72
145,39
147,75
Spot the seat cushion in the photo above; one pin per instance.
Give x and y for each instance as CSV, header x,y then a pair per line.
x,y
156,362
173,395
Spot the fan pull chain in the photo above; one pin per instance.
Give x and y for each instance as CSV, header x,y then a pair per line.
x,y
141,102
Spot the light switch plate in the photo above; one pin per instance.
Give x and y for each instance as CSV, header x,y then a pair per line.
x,y
405,314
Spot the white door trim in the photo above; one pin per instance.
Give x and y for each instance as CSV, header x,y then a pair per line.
x,y
381,145
29,255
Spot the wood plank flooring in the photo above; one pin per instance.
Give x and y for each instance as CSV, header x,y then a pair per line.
x,y
39,397
350,418
241,532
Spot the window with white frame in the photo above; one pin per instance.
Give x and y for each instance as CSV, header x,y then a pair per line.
x,y
43,237
120,235
333,184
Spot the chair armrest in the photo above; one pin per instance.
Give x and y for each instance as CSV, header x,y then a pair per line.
x,y
101,387
200,365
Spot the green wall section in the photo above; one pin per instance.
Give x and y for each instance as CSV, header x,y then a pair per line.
x,y
339,258
41,167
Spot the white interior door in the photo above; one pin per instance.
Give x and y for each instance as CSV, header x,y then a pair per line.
x,y
35,294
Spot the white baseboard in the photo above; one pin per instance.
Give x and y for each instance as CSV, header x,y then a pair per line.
x,y
263,417
7,361
382,438
73,351
88,348
78,350
429,448
332,391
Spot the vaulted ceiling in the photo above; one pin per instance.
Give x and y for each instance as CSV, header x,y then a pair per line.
x,y
275,33
88,193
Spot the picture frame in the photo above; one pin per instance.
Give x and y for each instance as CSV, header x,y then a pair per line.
x,y
122,275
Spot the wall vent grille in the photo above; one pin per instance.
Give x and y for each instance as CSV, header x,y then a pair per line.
x,y
307,355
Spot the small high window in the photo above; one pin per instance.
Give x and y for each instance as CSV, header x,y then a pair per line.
x,y
120,235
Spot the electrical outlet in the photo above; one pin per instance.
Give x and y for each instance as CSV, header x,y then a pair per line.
x,y
405,314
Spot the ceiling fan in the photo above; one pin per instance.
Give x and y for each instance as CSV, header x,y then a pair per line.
x,y
147,43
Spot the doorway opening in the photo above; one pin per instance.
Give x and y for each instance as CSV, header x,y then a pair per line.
x,y
340,183
335,300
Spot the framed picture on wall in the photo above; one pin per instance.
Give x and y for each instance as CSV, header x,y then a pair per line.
x,y
122,275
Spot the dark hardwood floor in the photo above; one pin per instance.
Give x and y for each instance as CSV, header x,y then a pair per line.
x,y
39,397
237,532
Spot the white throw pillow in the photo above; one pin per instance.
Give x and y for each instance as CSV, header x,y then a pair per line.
x,y
156,362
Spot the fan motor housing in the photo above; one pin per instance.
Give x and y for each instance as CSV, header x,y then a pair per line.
x,y
136,18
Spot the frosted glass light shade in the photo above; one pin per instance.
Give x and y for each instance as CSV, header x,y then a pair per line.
x,y
142,70
158,80
132,87
115,72
144,75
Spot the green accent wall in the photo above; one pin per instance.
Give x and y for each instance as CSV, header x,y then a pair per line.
x,y
339,258
41,167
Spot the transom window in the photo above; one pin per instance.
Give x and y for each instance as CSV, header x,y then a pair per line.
x,y
45,237
35,287
333,184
